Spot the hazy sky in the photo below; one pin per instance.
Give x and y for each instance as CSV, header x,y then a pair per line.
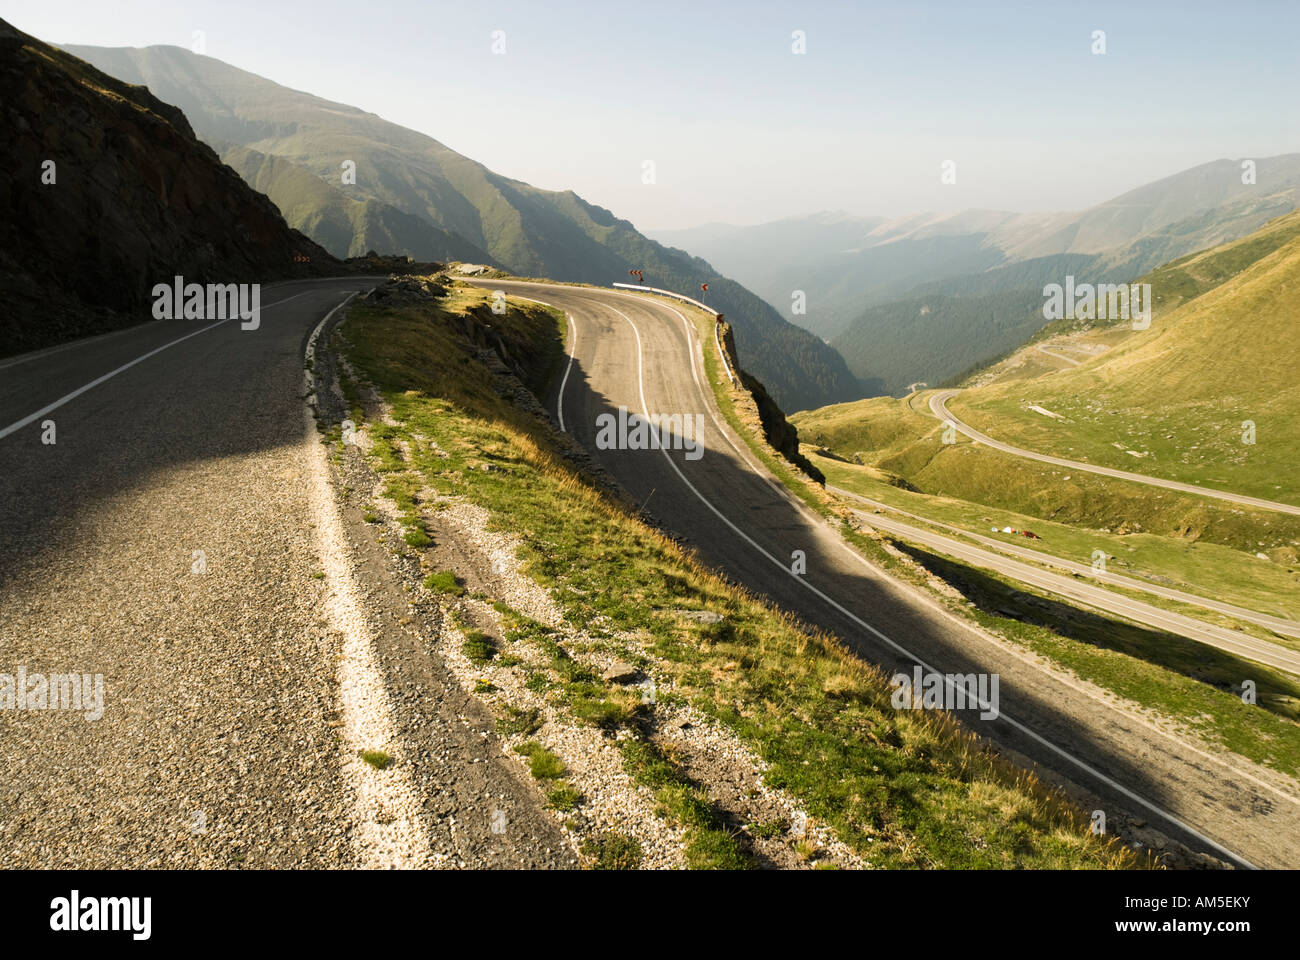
x,y
741,129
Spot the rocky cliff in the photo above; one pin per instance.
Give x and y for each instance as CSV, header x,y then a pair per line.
x,y
106,191
781,435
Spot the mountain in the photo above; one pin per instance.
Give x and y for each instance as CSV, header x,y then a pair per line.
x,y
925,298
133,198
344,225
530,232
841,263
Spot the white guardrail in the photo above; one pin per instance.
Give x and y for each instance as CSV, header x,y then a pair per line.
x,y
695,303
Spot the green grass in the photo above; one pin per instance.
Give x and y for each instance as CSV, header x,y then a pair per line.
x,y
902,788
613,851
376,758
519,721
542,763
444,581
416,538
565,799
767,831
709,844
620,710
478,647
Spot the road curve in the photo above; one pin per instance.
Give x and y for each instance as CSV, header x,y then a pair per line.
x,y
1058,356
640,353
939,408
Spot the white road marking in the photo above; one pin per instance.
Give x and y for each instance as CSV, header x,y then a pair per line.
x,y
573,351
391,832
50,408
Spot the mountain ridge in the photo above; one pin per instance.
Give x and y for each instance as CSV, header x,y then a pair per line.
x,y
866,279
527,230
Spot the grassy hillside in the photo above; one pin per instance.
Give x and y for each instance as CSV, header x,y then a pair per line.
x,y
530,232
1171,401
343,225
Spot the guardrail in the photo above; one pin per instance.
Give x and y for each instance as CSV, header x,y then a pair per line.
x,y
695,303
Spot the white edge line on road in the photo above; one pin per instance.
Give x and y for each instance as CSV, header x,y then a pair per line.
x,y
390,829
50,408
1081,764
573,352
110,335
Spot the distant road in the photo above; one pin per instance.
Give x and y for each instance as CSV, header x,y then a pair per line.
x,y
1058,356
1066,585
939,407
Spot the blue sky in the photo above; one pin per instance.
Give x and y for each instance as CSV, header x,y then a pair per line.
x,y
742,130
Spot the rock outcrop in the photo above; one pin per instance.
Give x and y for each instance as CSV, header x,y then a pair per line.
x,y
782,435
106,191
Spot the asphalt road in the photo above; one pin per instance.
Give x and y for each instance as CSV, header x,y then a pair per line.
x,y
638,352
1232,641
170,540
939,408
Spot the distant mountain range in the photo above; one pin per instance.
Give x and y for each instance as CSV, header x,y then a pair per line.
x,y
926,298
107,193
416,196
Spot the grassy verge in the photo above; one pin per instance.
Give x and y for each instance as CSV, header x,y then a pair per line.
x,y
710,845
903,788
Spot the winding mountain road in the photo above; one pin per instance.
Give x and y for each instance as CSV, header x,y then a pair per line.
x,y
220,740
641,353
